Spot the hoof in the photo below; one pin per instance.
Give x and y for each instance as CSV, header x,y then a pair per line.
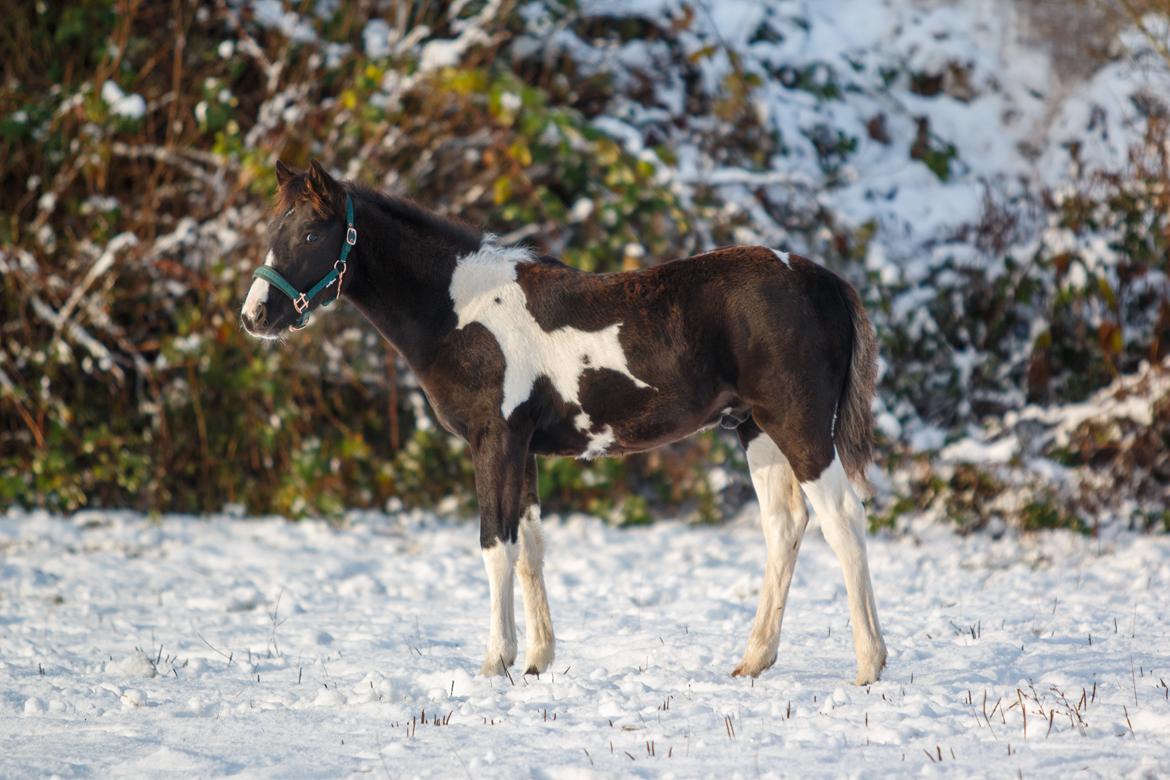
x,y
752,666
495,667
866,678
538,659
870,670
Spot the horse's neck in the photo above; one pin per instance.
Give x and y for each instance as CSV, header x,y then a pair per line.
x,y
403,287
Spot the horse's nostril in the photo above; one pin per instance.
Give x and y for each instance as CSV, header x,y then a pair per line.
x,y
260,316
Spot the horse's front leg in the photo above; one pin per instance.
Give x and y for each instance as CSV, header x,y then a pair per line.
x,y
500,456
540,644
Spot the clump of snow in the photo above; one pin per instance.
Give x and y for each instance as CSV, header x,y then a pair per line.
x,y
132,698
131,106
271,13
376,38
134,665
441,54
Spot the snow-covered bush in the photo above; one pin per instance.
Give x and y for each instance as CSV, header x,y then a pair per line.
x,y
1009,234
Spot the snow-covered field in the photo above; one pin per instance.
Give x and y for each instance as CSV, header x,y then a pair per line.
x,y
224,646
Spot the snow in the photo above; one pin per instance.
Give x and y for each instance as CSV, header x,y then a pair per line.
x,y
376,37
271,13
1010,114
218,646
129,106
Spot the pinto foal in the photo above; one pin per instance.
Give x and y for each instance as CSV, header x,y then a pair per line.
x,y
523,356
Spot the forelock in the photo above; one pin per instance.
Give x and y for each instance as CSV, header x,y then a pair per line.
x,y
296,192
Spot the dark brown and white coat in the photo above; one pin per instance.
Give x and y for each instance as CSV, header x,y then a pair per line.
x,y
523,356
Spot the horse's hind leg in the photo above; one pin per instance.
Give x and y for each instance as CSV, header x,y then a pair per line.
x,y
540,643
842,519
803,434
783,518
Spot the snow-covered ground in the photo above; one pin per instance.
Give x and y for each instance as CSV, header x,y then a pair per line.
x,y
224,646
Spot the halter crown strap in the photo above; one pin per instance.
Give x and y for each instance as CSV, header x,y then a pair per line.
x,y
301,300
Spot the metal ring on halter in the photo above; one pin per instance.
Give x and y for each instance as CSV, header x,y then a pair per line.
x,y
301,303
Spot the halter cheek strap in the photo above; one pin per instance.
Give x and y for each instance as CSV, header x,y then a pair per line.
x,y
302,300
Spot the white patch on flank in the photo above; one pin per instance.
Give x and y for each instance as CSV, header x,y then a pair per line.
x,y
783,257
842,519
499,561
484,290
258,292
599,443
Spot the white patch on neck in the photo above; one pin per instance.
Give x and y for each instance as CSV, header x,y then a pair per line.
x,y
484,290
258,292
783,257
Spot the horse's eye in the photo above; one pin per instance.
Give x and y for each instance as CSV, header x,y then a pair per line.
x,y
311,237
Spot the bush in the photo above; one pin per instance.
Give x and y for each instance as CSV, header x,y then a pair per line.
x,y
124,378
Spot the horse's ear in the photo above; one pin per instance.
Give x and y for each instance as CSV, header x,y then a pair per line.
x,y
320,179
284,174
322,186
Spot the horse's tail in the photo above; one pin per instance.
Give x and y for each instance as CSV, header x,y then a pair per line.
x,y
854,431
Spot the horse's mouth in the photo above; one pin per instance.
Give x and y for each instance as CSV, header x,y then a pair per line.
x,y
266,332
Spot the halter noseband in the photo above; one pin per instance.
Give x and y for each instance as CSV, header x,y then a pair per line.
x,y
301,300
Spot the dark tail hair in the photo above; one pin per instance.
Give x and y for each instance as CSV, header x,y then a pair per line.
x,y
854,435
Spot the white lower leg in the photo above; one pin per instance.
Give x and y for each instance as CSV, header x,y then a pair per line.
x,y
783,519
499,560
843,524
540,644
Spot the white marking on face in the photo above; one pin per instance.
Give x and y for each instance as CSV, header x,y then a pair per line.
x,y
258,292
783,257
484,290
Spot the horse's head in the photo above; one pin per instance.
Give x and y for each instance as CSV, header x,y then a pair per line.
x,y
308,247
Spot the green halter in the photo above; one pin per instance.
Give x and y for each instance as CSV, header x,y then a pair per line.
x,y
301,300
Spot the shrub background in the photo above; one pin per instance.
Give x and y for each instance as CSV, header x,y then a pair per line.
x,y
129,232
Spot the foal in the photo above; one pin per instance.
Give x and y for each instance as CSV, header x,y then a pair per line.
x,y
523,356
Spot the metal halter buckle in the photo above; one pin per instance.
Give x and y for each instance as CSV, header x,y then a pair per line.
x,y
300,303
351,236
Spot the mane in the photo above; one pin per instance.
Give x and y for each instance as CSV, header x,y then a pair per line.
x,y
409,211
297,191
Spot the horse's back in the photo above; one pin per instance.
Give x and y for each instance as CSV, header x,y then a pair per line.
x,y
727,328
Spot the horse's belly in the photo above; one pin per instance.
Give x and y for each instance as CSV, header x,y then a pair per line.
x,y
657,427
626,420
